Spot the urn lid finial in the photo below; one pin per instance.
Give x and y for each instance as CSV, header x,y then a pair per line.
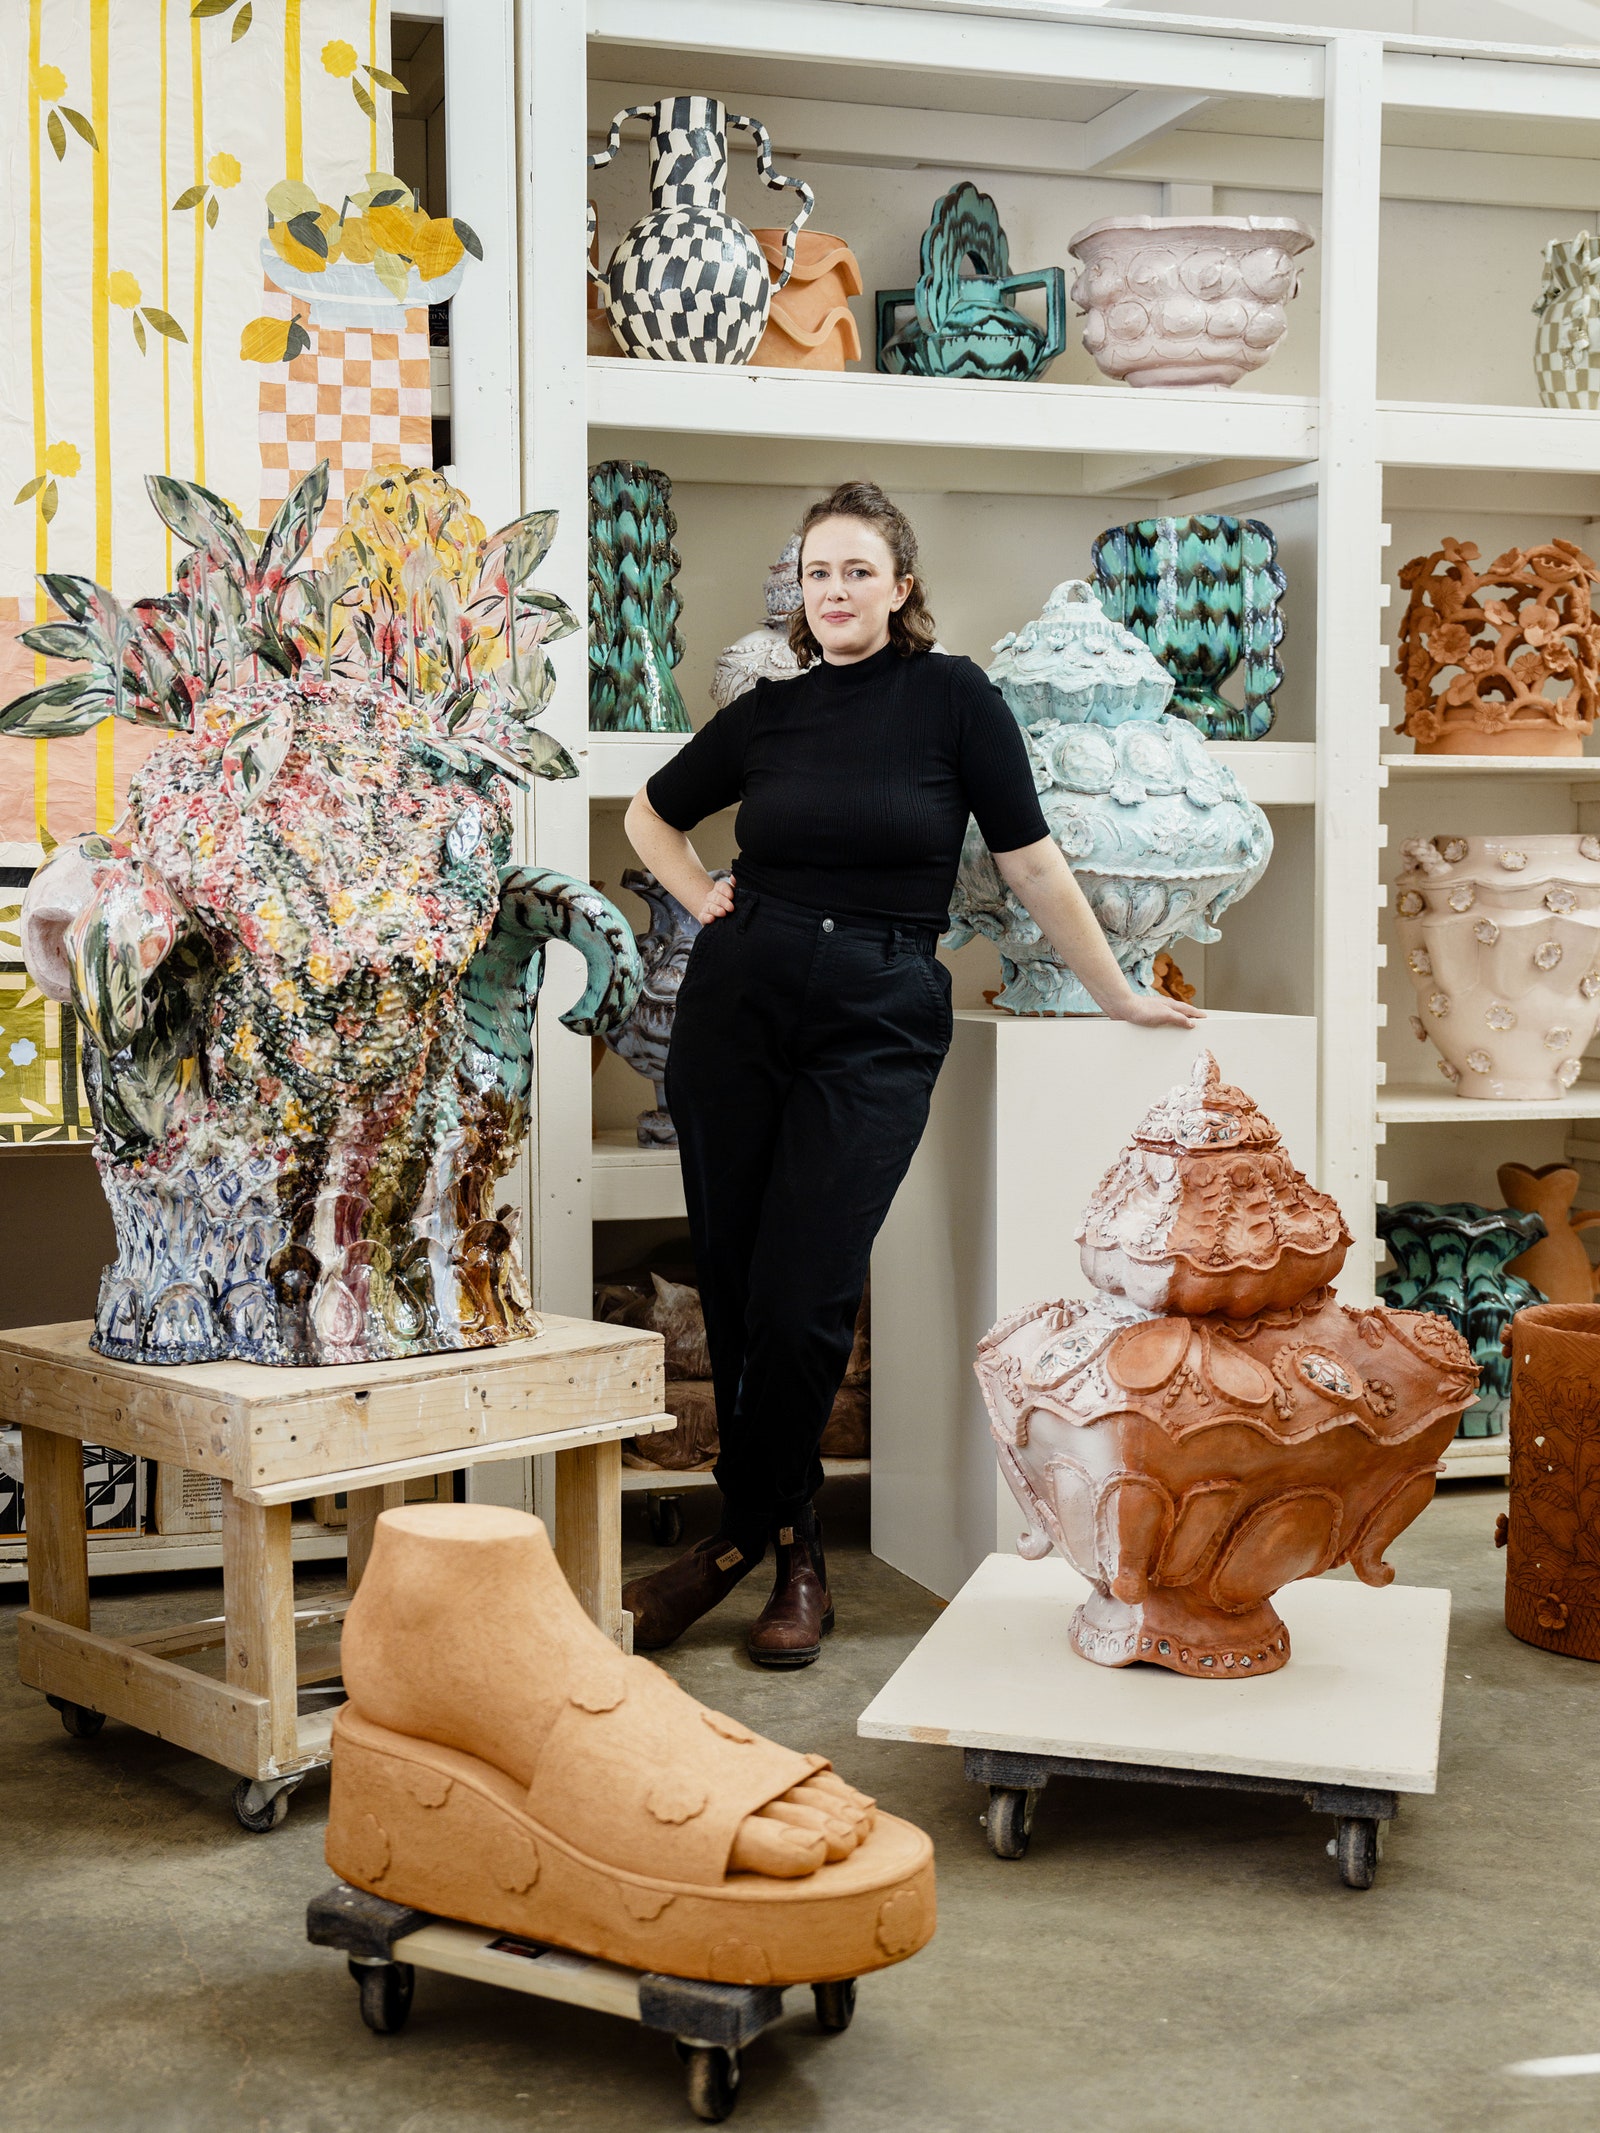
x,y
1073,664
1206,1112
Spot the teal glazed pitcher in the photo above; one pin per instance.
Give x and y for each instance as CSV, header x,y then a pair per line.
x,y
965,324
1204,594
1451,1259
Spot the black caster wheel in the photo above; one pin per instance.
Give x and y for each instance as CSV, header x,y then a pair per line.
x,y
385,1990
79,1720
259,1819
1009,1822
1356,1847
711,2080
836,2004
666,1520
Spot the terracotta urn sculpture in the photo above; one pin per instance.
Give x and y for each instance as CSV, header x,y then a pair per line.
x,y
1180,300
1557,1265
1501,939
1162,836
809,324
1504,661
764,653
1550,1529
1213,1424
1455,1259
500,1762
1566,361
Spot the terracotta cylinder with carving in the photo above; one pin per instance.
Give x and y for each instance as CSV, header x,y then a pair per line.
x,y
809,326
1550,1531
1213,1425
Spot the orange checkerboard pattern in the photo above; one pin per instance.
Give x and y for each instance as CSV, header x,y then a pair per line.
x,y
357,398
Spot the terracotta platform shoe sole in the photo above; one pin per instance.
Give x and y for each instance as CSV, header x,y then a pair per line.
x,y
409,1820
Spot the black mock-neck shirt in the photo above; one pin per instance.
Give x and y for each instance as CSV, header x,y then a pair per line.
x,y
854,783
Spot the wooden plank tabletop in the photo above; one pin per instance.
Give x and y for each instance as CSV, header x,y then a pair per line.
x,y
257,1426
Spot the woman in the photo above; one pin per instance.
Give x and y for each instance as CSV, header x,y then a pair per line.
x,y
814,1016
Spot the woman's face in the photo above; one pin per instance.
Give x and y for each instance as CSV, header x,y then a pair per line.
x,y
848,580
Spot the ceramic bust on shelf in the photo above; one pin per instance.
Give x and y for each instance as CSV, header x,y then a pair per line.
x,y
303,962
764,654
1161,835
1213,1425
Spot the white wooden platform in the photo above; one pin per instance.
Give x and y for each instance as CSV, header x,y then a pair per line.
x,y
1358,1704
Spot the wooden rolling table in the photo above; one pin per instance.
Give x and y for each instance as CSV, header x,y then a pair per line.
x,y
273,1436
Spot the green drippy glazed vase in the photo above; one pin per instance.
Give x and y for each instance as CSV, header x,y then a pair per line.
x,y
1204,593
634,640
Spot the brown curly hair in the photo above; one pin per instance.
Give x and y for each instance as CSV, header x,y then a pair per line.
x,y
911,627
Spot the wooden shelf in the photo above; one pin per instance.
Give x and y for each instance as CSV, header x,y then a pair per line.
x,y
1429,1104
619,763
1551,769
634,1184
120,1555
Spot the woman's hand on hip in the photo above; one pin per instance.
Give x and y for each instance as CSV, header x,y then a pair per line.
x,y
1154,1010
719,903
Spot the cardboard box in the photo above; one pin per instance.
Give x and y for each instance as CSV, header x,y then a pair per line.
x,y
182,1501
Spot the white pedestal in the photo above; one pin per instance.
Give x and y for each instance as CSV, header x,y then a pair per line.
x,y
1028,1115
1359,1703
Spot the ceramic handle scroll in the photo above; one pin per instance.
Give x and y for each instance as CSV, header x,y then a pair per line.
x,y
775,182
598,161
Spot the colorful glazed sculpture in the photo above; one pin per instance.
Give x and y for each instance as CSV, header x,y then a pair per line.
x,y
689,283
645,1033
499,1761
634,639
1213,1424
1500,662
966,324
1175,300
1548,1529
1161,835
1204,593
1452,1260
303,963
1566,360
1501,937
1557,1265
809,325
764,654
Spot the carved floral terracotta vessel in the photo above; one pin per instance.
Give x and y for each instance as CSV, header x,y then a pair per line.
x,y
1501,938
1213,1424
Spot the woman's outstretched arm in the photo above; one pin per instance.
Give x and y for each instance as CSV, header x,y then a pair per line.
x,y
675,863
1041,880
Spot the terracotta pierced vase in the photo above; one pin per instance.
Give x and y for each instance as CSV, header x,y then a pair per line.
x,y
1550,1531
1557,1266
1454,1260
809,325
1213,1424
1179,300
1162,836
1565,360
1501,937
1500,662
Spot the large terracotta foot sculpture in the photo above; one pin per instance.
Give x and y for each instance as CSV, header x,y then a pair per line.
x,y
499,1761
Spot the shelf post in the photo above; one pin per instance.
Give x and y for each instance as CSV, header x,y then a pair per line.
x,y
1349,515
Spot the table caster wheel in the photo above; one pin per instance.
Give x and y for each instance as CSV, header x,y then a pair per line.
x,y
385,1990
79,1720
666,1520
257,1809
711,2080
1357,1851
1009,1822
836,2004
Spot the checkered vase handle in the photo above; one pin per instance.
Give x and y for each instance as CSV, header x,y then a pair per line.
x,y
599,161
776,182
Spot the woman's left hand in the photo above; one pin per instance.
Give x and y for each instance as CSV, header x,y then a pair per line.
x,y
1154,1010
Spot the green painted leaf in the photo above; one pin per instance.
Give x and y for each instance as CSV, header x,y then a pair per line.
x,y
63,640
138,331
242,21
391,196
299,341
57,133
71,705
362,98
192,198
164,322
80,125
202,10
387,81
211,212
289,536
290,197
49,501
306,230
202,520
563,621
543,754
469,237
29,488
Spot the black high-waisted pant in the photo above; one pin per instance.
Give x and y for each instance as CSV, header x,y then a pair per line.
x,y
804,1052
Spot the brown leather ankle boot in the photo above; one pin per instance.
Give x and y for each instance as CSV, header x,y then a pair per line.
x,y
664,1604
800,1613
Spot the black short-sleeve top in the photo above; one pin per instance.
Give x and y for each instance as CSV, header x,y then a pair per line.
x,y
854,783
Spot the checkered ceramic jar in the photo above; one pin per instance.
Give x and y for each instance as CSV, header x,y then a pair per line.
x,y
1566,357
689,283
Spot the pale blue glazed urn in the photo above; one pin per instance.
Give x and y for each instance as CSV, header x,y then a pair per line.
x,y
1161,835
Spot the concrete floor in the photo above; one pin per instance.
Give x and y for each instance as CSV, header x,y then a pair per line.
x,y
1162,1961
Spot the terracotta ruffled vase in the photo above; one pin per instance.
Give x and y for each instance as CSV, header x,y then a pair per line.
x,y
1557,1266
1501,937
1504,661
1549,1530
809,326
1213,1424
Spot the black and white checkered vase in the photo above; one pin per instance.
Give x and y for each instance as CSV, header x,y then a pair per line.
x,y
688,283
1566,342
